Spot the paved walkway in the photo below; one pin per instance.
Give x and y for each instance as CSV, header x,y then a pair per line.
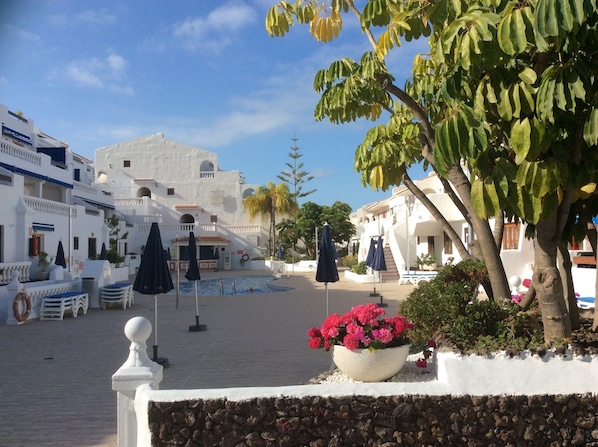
x,y
55,376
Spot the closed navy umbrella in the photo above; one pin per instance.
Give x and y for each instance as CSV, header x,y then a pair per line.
x,y
326,271
379,265
60,256
193,275
280,253
369,260
154,278
216,256
103,253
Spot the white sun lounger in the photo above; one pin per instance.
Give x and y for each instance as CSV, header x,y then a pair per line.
x,y
55,306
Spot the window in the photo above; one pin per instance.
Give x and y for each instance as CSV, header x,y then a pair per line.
x,y
510,237
75,243
213,219
448,245
170,191
126,163
77,175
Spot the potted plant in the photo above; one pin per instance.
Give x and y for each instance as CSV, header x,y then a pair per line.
x,y
366,345
426,261
114,258
43,262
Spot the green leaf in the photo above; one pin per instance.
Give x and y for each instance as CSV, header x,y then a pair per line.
x,y
504,106
504,35
484,197
528,76
520,139
565,15
590,128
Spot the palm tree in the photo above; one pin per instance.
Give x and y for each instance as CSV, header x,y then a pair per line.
x,y
267,202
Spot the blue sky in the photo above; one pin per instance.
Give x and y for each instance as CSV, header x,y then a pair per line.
x,y
205,73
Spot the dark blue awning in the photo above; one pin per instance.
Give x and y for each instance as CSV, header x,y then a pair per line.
x,y
38,226
93,202
16,135
35,175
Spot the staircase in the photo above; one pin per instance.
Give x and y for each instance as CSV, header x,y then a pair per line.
x,y
391,274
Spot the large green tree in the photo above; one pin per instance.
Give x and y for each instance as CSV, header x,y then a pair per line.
x,y
312,216
268,202
507,91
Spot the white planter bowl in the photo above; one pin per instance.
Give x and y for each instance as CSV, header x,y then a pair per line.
x,y
370,366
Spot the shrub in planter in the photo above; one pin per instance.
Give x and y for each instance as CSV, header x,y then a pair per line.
x,y
360,268
349,260
447,307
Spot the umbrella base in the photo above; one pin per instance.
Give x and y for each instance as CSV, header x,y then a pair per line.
x,y
374,294
159,360
198,328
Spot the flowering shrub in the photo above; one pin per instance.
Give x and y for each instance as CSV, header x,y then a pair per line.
x,y
364,326
427,353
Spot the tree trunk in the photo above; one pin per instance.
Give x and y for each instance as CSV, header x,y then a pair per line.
x,y
568,287
484,236
529,297
547,282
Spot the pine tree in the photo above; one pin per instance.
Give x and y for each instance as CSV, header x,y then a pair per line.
x,y
295,177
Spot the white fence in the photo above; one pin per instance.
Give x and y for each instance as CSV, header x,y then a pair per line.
x,y
6,269
137,382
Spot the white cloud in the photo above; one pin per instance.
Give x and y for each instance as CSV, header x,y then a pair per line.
x,y
20,33
100,73
87,17
93,17
83,72
213,32
321,172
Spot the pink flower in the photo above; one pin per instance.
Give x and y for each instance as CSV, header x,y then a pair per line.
x,y
384,335
350,342
363,326
526,283
421,363
431,344
315,343
314,332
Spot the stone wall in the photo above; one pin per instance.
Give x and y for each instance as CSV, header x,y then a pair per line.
x,y
401,420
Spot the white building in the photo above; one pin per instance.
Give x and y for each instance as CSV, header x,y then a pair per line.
x,y
47,195
409,230
181,187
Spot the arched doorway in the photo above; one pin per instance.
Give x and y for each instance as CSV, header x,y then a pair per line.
x,y
144,192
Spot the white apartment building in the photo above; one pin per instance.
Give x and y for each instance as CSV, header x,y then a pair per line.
x,y
48,195
409,230
181,187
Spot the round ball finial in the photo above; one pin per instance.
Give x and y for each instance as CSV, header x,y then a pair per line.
x,y
514,281
138,329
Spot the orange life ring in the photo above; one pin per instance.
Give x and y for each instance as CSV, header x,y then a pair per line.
x,y
21,311
245,257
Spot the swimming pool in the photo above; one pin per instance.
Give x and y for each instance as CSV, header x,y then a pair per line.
x,y
239,285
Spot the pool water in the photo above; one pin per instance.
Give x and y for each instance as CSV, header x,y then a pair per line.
x,y
240,285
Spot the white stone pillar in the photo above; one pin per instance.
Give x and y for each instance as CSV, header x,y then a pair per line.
x,y
137,371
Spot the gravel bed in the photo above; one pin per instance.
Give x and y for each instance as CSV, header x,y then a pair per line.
x,y
408,373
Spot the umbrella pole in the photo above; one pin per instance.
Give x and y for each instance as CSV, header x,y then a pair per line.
x,y
374,294
326,287
161,361
197,327
382,303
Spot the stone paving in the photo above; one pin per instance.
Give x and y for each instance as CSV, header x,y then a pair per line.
x,y
55,376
